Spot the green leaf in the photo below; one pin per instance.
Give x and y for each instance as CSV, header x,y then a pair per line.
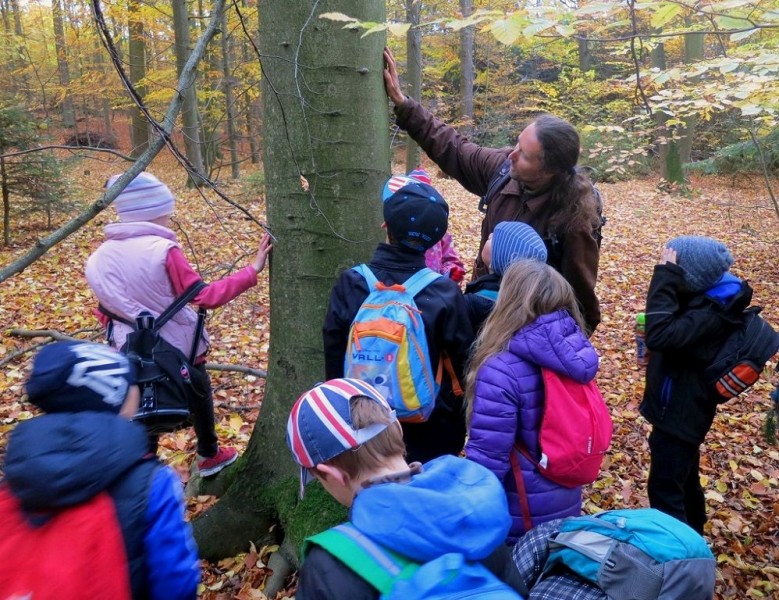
x,y
594,8
336,16
735,37
398,29
375,28
750,109
507,31
729,66
666,12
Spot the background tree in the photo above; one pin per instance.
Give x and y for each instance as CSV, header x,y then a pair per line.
x,y
190,127
63,67
34,180
413,73
136,54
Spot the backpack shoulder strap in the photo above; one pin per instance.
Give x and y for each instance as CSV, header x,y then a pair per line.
x,y
498,180
489,294
179,303
375,564
420,280
368,275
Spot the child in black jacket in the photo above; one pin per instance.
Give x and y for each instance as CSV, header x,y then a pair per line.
x,y
511,241
416,218
693,304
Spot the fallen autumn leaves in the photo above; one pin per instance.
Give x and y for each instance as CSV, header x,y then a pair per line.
x,y
740,471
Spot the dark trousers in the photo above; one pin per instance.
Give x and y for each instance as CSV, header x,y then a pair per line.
x,y
674,482
202,417
443,433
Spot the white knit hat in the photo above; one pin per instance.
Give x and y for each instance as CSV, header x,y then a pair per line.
x,y
144,199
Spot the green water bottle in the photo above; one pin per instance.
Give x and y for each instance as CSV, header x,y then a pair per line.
x,y
642,352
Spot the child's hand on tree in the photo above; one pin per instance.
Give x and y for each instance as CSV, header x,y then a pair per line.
x,y
262,253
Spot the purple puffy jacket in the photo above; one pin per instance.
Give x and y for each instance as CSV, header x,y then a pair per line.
x,y
508,405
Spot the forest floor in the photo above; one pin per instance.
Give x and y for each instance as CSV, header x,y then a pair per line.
x,y
739,470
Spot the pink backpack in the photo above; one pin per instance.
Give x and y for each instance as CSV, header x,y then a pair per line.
x,y
574,436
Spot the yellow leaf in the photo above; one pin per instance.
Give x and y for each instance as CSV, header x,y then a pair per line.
x,y
733,465
721,486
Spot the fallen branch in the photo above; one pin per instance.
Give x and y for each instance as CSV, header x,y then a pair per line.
x,y
58,336
238,369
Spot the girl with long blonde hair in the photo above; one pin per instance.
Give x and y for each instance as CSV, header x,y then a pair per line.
x,y
536,323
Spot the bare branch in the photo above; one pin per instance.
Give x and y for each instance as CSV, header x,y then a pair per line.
x,y
73,148
163,130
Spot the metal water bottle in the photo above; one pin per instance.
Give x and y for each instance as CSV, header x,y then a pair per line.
x,y
642,352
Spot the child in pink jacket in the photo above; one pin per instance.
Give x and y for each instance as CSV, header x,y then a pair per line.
x,y
140,267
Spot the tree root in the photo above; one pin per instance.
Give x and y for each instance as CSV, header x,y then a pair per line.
x,y
282,562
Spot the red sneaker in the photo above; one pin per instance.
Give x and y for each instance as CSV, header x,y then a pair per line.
x,y
211,466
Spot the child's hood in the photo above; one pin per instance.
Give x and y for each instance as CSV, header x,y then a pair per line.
x,y
556,342
454,505
61,459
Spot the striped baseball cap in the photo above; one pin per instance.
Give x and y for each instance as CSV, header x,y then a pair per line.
x,y
320,425
396,182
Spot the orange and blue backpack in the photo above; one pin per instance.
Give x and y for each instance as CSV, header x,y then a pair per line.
x,y
388,348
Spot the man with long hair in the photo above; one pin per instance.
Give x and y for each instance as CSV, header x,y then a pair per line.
x,y
544,188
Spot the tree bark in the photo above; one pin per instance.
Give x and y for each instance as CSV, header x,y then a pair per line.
x,y
326,157
63,69
413,73
235,168
137,57
189,117
466,69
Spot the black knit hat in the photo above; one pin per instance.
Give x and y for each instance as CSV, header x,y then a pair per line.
x,y
78,377
416,216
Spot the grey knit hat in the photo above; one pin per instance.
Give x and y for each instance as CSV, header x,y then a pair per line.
x,y
704,260
513,241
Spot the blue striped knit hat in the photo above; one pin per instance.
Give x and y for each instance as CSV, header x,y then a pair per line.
x,y
513,241
704,260
144,199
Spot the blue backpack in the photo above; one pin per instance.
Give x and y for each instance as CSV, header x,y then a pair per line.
x,y
642,554
396,577
388,348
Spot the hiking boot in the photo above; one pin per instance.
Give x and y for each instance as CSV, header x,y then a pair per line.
x,y
212,466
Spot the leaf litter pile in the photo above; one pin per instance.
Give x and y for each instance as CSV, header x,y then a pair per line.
x,y
740,471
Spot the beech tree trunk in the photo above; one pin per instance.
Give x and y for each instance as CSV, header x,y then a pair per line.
x,y
326,157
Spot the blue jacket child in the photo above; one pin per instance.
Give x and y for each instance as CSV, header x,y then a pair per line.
x,y
692,306
84,445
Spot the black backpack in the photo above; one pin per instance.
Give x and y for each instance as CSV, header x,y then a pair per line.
x,y
553,243
168,381
740,361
